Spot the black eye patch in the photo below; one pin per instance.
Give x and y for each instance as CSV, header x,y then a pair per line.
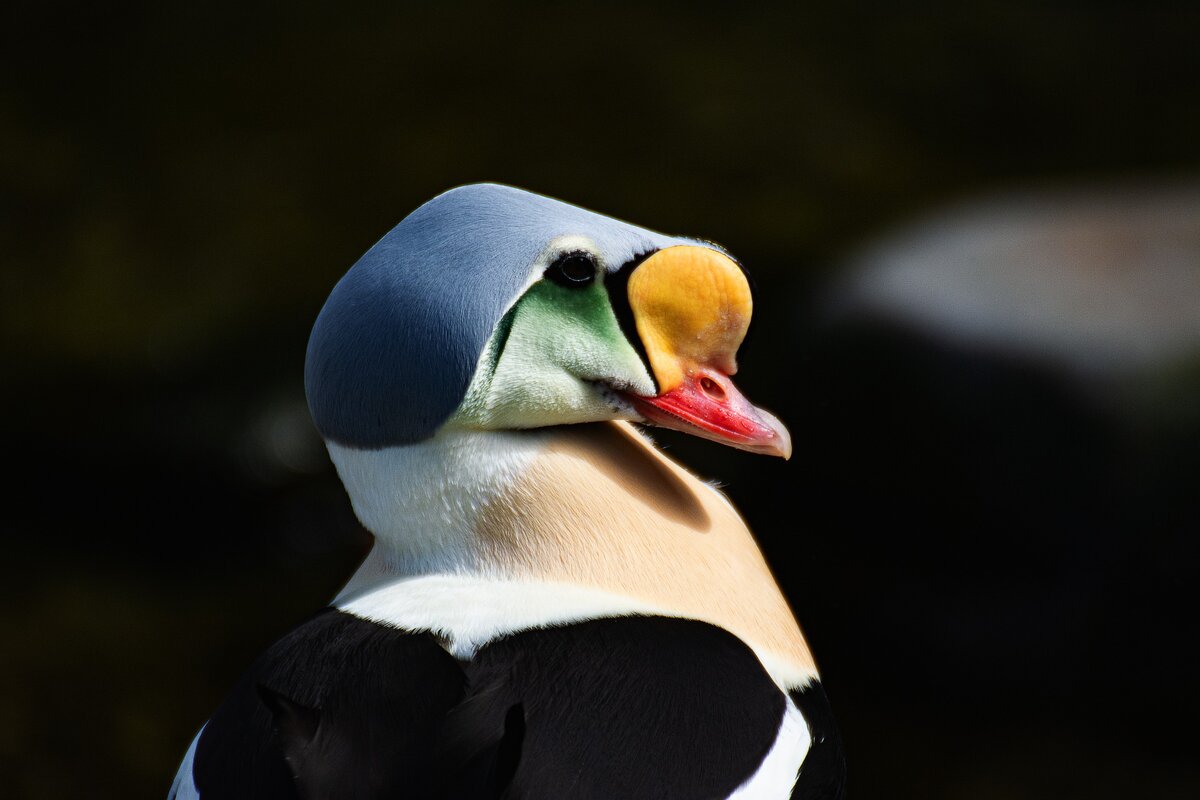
x,y
573,270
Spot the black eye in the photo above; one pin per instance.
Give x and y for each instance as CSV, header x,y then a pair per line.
x,y
574,270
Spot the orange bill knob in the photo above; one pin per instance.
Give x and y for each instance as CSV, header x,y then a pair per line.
x,y
692,307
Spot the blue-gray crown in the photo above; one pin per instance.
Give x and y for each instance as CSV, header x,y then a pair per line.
x,y
397,343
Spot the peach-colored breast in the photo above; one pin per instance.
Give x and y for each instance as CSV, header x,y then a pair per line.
x,y
603,507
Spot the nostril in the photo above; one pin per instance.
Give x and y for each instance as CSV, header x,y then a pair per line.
x,y
712,388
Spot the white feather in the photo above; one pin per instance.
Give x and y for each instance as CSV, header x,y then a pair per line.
x,y
467,612
777,774
421,501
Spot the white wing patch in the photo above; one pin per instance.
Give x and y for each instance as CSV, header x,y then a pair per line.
x,y
777,774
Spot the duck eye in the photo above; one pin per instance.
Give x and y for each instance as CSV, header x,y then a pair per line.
x,y
574,270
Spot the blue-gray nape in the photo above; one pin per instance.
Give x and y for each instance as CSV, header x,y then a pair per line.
x,y
396,345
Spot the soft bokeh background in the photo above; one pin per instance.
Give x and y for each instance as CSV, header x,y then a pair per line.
x,y
975,229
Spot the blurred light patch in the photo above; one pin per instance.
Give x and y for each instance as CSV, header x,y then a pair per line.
x,y
281,443
1101,282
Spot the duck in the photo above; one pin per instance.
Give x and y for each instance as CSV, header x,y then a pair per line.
x,y
552,607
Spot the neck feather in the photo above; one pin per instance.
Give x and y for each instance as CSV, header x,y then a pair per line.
x,y
422,501
593,507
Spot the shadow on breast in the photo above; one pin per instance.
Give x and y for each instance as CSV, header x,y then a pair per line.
x,y
618,452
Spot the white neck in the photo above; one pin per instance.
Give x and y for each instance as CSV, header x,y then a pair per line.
x,y
479,533
421,501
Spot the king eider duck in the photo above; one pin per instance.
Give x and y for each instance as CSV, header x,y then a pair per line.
x,y
552,608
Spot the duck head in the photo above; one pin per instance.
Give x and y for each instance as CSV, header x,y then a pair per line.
x,y
492,308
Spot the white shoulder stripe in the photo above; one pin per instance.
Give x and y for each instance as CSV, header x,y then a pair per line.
x,y
184,785
776,776
470,611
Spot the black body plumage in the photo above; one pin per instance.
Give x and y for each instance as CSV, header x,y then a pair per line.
x,y
624,707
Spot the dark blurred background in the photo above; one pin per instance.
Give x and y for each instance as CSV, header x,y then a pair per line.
x,y
975,230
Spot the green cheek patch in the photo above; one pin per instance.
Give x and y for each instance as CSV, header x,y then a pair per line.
x,y
541,361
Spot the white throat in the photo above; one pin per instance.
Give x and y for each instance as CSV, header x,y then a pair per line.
x,y
473,539
421,501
